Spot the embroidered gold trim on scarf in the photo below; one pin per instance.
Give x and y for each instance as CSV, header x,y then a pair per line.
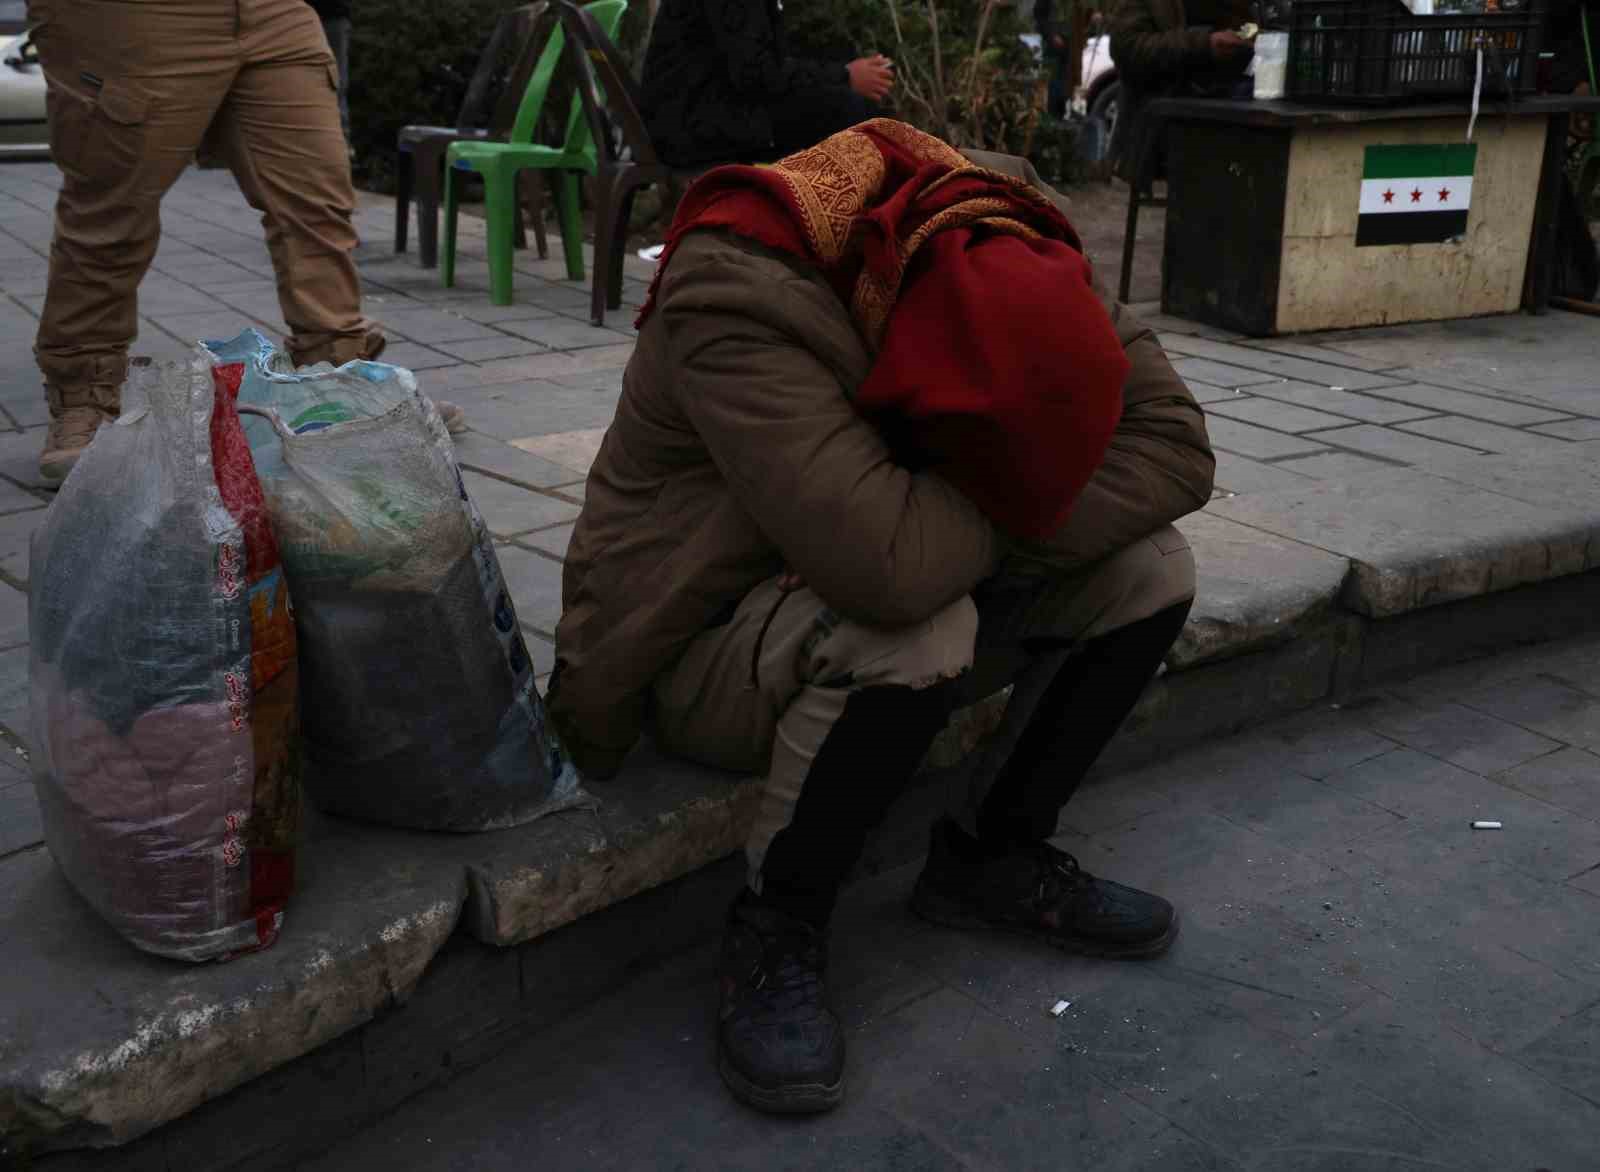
x,y
834,182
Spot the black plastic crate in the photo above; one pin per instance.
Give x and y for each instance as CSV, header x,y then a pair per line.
x,y
1377,51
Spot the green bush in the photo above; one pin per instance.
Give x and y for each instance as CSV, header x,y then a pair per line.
x,y
962,72
410,63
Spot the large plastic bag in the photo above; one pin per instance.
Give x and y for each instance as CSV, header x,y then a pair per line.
x,y
163,673
419,701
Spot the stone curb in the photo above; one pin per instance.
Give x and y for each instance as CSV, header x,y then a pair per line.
x,y
1304,596
1416,539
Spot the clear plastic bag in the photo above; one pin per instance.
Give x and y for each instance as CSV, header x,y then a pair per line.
x,y
419,702
163,676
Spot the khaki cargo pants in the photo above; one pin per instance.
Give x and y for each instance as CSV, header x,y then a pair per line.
x,y
760,693
135,88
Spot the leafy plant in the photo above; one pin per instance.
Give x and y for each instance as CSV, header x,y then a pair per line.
x,y
962,71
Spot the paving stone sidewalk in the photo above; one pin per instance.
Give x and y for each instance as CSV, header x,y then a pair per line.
x,y
540,383
1363,982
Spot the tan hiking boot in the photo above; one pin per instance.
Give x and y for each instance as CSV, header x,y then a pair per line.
x,y
455,419
75,416
339,350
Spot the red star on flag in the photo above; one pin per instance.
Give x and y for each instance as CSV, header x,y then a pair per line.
x,y
1444,195
1416,195
1388,197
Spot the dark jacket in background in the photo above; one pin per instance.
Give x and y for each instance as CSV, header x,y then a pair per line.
x,y
331,9
717,81
1578,259
1044,19
1564,37
1157,51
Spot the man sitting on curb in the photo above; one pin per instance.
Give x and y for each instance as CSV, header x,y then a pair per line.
x,y
880,452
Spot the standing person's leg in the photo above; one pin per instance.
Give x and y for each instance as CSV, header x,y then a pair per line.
x,y
281,135
1056,96
1080,649
837,716
131,93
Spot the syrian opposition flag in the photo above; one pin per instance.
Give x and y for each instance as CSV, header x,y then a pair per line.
x,y
1415,194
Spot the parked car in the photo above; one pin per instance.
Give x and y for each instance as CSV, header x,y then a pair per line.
x,y
24,131
1101,89
1098,69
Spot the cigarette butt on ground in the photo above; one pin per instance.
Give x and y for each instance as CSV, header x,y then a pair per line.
x,y
1059,1008
1486,826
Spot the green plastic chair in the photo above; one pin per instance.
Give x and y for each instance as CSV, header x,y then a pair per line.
x,y
501,162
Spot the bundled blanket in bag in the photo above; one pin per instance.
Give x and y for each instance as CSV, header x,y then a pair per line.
x,y
163,677
420,707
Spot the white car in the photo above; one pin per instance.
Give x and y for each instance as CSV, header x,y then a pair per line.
x,y
24,130
1096,61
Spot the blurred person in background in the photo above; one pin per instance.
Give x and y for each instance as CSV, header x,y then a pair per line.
x,y
719,85
1572,72
1166,47
1058,45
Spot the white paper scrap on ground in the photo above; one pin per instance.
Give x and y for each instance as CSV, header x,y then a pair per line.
x,y
1486,826
1059,1008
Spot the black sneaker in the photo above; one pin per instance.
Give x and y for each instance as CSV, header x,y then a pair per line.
x,y
779,1047
1039,891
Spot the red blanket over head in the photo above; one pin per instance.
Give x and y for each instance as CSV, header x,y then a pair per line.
x,y
994,356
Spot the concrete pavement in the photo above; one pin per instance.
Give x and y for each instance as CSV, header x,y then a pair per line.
x,y
1363,982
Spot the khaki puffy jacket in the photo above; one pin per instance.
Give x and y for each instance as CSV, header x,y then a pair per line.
x,y
735,452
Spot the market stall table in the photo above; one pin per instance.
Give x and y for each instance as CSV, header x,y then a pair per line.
x,y
1280,219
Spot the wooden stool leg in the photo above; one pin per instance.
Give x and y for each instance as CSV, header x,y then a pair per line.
x,y
402,197
1128,236
451,212
519,237
606,193
536,191
619,244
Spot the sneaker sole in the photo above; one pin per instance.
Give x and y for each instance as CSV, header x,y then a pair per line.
x,y
802,1099
947,913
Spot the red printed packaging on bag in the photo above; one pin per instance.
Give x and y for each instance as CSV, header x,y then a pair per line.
x,y
264,700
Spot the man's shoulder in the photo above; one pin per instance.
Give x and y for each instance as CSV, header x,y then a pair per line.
x,y
740,255
713,268
718,287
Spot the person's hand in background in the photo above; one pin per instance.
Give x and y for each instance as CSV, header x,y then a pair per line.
x,y
872,77
1226,45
